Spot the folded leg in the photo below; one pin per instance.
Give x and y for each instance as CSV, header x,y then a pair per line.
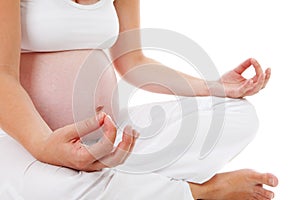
x,y
190,143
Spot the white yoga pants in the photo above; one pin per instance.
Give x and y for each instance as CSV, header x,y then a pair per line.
x,y
224,127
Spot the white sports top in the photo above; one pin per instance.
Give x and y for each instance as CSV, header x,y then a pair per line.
x,y
57,25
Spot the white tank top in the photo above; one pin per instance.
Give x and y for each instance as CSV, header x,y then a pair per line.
x,y
57,25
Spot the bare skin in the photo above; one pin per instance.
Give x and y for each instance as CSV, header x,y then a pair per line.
x,y
86,2
42,73
243,184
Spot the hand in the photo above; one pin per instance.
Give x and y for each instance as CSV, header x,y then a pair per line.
x,y
236,86
64,148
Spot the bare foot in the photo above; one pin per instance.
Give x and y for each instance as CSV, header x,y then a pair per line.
x,y
237,185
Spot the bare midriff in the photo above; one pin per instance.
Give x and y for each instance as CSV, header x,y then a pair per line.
x,y
86,2
56,81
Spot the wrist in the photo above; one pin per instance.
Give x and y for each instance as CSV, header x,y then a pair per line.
x,y
216,88
37,145
199,87
208,88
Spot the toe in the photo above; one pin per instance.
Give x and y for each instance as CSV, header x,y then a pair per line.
x,y
262,193
267,179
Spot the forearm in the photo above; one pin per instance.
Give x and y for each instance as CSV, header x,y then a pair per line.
x,y
18,116
153,76
166,80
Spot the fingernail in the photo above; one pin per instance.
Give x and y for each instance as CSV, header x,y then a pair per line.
x,y
271,181
99,108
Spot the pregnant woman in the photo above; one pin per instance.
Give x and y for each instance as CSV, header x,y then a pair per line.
x,y
43,46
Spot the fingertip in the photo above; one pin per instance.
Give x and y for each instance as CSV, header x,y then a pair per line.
x,y
136,134
101,117
253,60
268,72
267,76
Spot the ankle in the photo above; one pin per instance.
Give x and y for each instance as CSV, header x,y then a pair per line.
x,y
199,191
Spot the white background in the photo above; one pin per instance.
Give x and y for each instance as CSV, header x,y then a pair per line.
x,y
231,31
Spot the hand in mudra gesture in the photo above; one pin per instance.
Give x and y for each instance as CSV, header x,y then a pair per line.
x,y
64,148
236,86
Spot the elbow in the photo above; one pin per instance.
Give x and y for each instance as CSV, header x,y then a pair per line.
x,y
8,72
8,77
125,64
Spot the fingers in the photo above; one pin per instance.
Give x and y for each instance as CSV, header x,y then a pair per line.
x,y
109,128
246,64
87,155
258,69
135,137
261,83
84,127
120,154
260,79
96,166
247,86
88,163
267,77
243,66
106,144
103,154
256,86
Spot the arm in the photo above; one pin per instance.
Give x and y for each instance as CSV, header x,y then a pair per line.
x,y
167,81
153,76
20,119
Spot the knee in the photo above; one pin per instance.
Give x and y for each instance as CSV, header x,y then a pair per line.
x,y
250,115
244,117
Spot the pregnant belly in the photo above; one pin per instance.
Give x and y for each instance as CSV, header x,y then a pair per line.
x,y
69,86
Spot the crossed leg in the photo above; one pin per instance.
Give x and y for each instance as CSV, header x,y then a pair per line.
x,y
238,130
